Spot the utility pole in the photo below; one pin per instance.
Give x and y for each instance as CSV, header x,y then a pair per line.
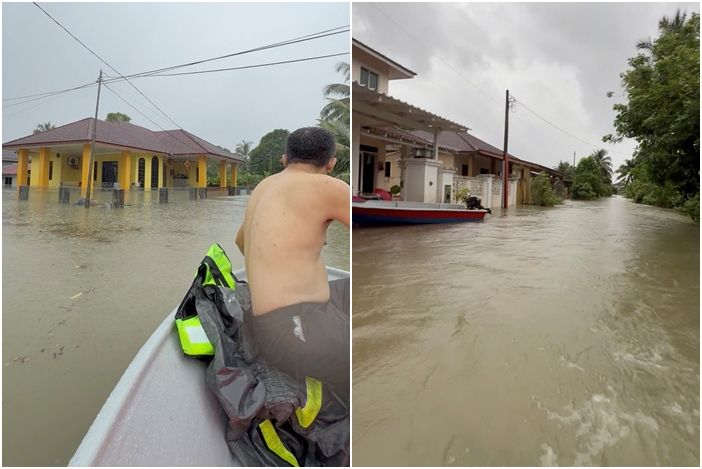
x,y
573,159
92,145
505,158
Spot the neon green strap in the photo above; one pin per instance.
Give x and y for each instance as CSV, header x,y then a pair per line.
x,y
274,443
307,414
193,339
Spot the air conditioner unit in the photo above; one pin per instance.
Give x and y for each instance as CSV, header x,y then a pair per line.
x,y
73,162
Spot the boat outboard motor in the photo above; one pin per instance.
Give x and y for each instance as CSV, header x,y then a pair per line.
x,y
473,203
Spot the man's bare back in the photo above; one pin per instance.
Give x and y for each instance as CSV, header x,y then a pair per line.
x,y
283,233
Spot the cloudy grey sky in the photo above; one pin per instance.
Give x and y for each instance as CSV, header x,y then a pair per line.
x,y
224,108
559,59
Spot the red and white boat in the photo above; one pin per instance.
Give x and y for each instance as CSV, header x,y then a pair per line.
x,y
381,212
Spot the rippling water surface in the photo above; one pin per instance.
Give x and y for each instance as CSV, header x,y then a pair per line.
x,y
81,292
563,336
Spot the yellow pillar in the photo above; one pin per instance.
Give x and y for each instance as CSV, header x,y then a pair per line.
x,y
192,182
125,166
202,170
22,167
85,167
233,175
41,166
161,170
147,173
222,174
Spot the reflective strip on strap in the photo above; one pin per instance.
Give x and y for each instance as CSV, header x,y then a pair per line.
x,y
274,443
307,414
193,339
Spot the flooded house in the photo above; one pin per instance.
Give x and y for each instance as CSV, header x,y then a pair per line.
x,y
127,156
417,155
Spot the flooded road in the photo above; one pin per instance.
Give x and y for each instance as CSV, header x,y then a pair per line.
x,y
563,336
81,292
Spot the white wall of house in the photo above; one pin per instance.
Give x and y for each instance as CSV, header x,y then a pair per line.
x,y
360,59
421,179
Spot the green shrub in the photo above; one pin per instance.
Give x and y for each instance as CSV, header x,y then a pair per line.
x,y
691,207
542,193
583,191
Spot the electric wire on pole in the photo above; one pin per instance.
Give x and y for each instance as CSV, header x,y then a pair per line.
x,y
92,145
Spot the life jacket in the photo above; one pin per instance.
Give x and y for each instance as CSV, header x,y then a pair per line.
x,y
214,269
272,419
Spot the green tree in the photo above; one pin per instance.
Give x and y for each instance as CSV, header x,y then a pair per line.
x,y
565,168
243,148
43,127
265,158
335,116
338,95
662,113
542,192
117,117
625,171
604,162
588,183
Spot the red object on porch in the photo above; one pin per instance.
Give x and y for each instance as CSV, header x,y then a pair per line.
x,y
383,194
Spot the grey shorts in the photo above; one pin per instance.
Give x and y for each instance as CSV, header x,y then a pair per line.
x,y
310,339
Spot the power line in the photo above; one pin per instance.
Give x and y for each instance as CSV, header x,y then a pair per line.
x,y
268,64
92,83
145,116
432,52
480,89
40,96
565,131
307,37
111,67
131,105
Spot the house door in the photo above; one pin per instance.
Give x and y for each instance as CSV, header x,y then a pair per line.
x,y
367,172
109,173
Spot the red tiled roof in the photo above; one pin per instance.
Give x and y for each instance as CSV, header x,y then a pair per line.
x,y
123,134
11,169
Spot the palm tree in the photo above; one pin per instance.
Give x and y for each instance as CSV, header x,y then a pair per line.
x,y
43,127
338,95
336,117
243,148
625,171
604,162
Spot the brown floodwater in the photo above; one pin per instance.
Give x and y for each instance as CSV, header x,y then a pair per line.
x,y
561,336
82,290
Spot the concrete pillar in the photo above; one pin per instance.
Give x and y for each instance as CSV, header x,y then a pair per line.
x,y
147,173
355,156
436,143
202,171
486,196
404,155
233,175
22,166
85,168
124,171
222,174
471,160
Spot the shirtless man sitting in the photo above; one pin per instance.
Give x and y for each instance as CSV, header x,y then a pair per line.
x,y
301,320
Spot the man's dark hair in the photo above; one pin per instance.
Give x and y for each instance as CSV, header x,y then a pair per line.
x,y
312,145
